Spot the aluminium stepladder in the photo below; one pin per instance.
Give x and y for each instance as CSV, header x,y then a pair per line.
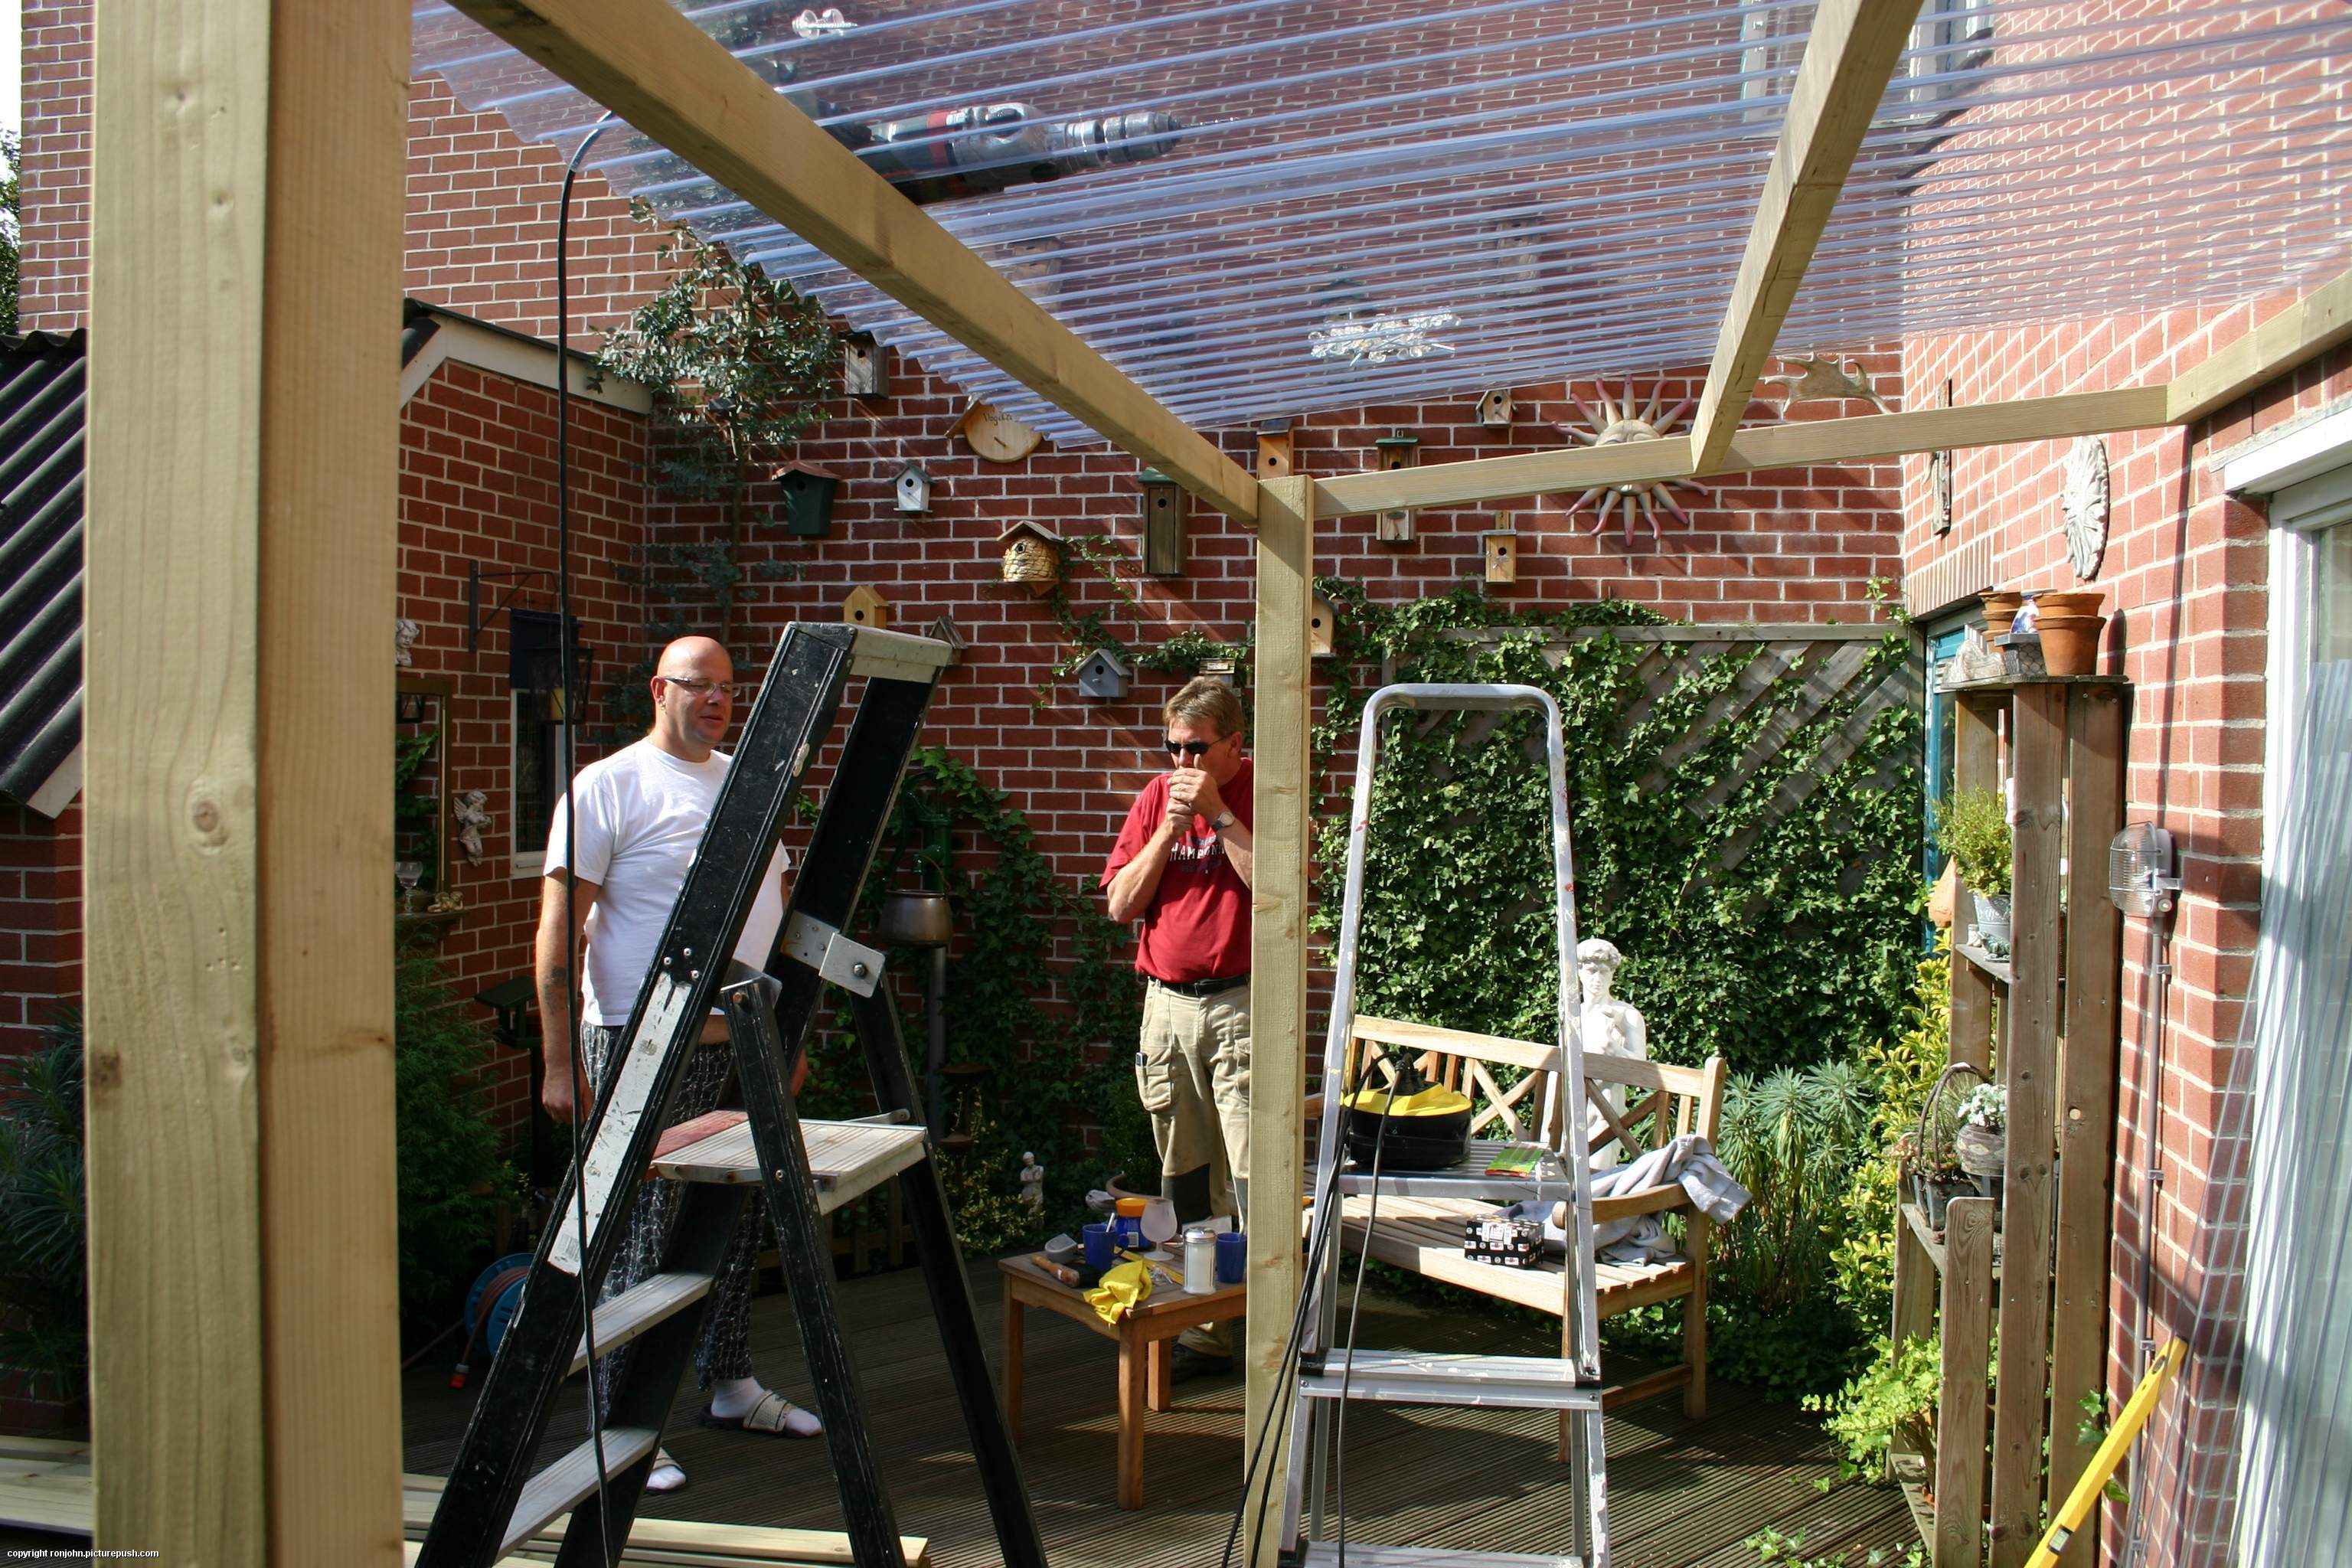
x,y
806,1169
1331,1372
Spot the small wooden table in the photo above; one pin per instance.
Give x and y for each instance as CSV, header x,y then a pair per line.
x,y
1146,1339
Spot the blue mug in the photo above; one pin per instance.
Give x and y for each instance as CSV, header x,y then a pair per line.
x,y
1232,1252
1098,1245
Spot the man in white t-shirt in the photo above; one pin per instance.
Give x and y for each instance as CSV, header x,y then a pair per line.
x,y
640,813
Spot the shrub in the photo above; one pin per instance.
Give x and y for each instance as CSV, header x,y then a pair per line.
x,y
1901,1071
43,1246
451,1170
1972,828
1896,1394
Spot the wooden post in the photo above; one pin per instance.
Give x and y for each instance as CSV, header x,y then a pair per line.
x,y
1285,706
1961,1413
243,463
1914,1308
1976,765
2029,1061
2095,722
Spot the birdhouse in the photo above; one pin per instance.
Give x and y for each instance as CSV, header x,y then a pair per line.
x,y
1274,458
1322,625
1104,675
1224,672
864,366
1503,554
1163,524
862,606
1032,556
945,631
913,490
808,498
1495,408
1394,451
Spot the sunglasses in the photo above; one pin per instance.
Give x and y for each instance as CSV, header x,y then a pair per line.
x,y
1192,748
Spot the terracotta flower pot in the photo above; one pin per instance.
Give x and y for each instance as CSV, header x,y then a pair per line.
x,y
2070,644
2069,600
2000,608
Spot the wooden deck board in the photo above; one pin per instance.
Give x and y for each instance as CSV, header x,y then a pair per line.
x,y
1684,1494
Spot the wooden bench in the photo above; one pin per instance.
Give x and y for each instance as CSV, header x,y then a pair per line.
x,y
1424,1234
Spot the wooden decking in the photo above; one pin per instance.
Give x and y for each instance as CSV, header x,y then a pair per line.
x,y
1683,1495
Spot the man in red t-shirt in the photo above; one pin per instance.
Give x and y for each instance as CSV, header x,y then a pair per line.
x,y
1182,867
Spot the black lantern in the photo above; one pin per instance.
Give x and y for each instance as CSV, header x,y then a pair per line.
x,y
535,661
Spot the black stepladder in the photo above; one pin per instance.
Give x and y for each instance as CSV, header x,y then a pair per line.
x,y
806,1169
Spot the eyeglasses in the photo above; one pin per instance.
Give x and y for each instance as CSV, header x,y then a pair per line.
x,y
1192,748
700,686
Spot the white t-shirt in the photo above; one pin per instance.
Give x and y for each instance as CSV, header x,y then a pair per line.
x,y
641,812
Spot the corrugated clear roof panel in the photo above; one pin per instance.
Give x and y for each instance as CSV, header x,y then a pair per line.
x,y
1259,208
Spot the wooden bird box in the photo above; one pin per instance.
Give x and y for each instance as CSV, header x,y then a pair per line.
x,y
912,490
1163,524
1275,457
1104,675
862,606
1224,672
1322,626
1395,450
1495,408
1503,554
864,366
1032,556
808,498
945,631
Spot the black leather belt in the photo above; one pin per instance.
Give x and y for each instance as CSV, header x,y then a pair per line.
x,y
1201,987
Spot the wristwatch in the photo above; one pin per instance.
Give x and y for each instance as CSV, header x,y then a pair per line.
x,y
1222,821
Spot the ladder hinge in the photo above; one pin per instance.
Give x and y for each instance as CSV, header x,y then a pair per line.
x,y
850,964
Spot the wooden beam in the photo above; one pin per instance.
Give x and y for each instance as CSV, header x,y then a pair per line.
x,y
2296,335
670,80
1282,797
1848,61
242,482
1814,441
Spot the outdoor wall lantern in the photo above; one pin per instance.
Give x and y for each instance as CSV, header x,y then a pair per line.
x,y
1163,524
1494,409
913,488
1104,675
864,366
535,660
1397,450
1503,553
808,498
1032,556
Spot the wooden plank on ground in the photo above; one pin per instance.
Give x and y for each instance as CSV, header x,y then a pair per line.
x,y
1850,55
1281,844
2029,1069
1960,1435
2086,1092
243,483
676,84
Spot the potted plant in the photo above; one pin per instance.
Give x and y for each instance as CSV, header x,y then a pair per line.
x,y
1981,1144
1972,828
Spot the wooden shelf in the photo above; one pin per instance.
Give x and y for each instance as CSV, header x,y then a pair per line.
x,y
1923,1512
2011,683
1997,968
1931,1241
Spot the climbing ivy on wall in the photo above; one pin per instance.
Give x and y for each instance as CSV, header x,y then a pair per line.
x,y
1802,950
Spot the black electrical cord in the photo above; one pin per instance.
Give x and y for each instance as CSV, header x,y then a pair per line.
x,y
570,817
1355,1301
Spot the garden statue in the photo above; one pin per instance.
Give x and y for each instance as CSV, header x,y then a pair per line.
x,y
1610,1028
1033,1183
472,810
405,633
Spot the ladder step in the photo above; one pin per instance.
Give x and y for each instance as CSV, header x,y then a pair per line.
x,y
639,1307
555,1489
1414,1377
847,1159
1467,1180
1325,1554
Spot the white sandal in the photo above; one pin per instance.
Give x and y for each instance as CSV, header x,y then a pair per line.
x,y
772,1414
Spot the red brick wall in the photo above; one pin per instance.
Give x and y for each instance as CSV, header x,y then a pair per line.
x,y
52,291
40,920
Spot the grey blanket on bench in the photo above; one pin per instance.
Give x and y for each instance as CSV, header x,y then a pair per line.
x,y
1688,1162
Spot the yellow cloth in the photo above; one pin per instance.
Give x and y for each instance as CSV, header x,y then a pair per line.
x,y
1124,1288
1436,1100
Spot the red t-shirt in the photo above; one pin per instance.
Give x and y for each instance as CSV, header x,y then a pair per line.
x,y
1198,924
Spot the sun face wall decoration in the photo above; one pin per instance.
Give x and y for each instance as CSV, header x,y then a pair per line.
x,y
1615,424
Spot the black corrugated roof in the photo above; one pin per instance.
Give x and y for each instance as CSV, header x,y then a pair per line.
x,y
41,411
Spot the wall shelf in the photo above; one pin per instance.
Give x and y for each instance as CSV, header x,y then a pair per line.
x,y
1996,969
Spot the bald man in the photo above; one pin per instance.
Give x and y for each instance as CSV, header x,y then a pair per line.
x,y
640,813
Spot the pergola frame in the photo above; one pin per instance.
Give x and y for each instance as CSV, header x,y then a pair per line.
x,y
239,995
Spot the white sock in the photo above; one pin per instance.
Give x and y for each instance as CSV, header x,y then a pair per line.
x,y
667,1477
734,1397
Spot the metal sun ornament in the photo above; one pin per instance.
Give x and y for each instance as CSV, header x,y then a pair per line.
x,y
1616,424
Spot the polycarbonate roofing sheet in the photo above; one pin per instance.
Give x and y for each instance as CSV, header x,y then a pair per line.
x,y
1267,207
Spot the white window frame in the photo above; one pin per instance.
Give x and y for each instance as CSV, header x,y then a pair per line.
x,y
523,862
